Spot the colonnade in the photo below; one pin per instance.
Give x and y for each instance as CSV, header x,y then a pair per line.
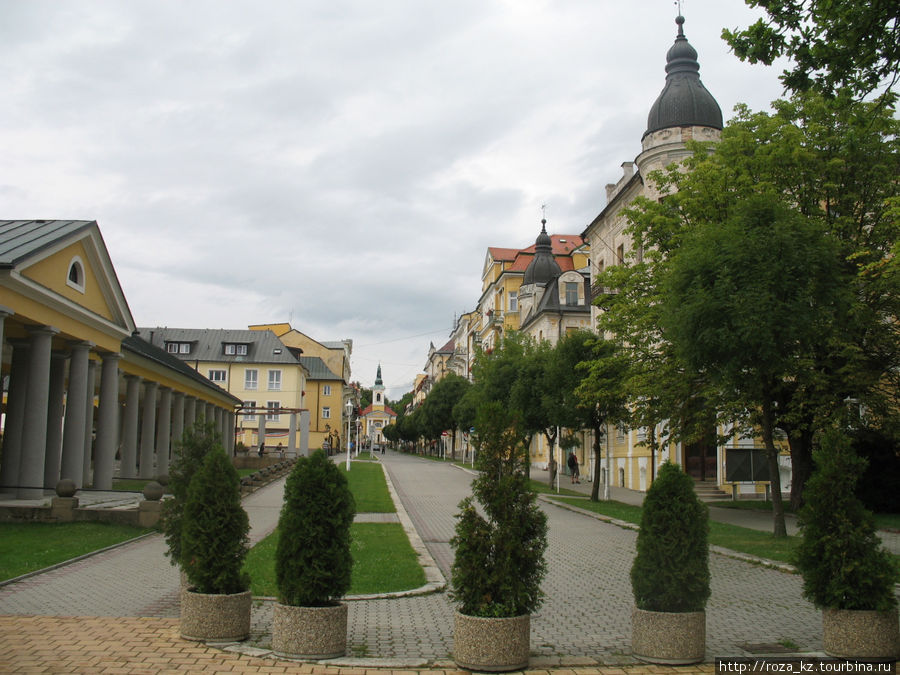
x,y
50,426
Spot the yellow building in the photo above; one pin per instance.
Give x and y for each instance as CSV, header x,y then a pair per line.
x,y
256,367
87,399
328,382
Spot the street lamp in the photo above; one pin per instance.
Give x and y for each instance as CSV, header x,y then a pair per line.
x,y
349,415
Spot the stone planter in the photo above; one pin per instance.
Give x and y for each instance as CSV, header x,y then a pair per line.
x,y
491,645
668,637
218,618
309,633
860,634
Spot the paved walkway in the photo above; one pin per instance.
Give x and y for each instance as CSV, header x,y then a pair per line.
x,y
584,623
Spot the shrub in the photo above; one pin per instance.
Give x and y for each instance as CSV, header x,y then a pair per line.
x,y
499,562
840,556
215,526
188,456
313,561
670,572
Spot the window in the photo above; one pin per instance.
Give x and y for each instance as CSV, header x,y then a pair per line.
x,y
326,390
272,411
620,254
75,277
378,398
178,347
251,417
217,375
274,380
571,293
235,349
513,299
326,413
251,379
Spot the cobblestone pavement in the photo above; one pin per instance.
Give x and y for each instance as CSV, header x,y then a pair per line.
x,y
585,619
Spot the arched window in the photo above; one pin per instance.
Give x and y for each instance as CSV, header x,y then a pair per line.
x,y
75,277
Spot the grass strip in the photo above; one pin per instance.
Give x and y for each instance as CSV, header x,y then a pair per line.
x,y
383,561
742,539
369,488
26,547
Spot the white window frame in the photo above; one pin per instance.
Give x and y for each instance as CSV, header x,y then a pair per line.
x,y
274,380
326,390
512,298
78,282
218,372
251,417
272,417
235,349
248,385
326,412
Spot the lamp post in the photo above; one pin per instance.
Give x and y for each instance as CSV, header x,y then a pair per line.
x,y
349,415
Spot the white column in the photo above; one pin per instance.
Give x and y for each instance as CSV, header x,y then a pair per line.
x,y
86,478
53,458
128,466
73,427
163,431
177,419
229,434
15,416
107,422
261,435
148,426
292,435
190,411
304,433
34,428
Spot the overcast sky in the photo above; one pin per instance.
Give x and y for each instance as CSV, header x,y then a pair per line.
x,y
340,165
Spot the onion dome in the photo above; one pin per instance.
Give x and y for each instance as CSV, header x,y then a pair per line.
x,y
543,267
684,101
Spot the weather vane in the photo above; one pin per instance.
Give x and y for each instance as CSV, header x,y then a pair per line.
x,y
543,212
677,3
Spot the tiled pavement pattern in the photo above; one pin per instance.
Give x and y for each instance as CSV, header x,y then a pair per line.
x,y
585,620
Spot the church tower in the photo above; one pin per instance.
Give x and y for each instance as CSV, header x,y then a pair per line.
x,y
378,391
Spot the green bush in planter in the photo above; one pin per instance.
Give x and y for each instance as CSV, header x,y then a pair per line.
x,y
499,560
313,561
670,572
188,456
214,539
843,563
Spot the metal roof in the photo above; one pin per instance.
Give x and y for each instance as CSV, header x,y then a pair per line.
x,y
21,239
317,369
263,346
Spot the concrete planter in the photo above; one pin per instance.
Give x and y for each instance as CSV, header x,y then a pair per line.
x,y
309,633
215,617
491,645
668,637
860,634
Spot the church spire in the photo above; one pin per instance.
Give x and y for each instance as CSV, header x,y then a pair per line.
x,y
378,381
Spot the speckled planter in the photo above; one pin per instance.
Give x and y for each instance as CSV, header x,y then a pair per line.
x,y
309,633
859,634
491,645
217,618
668,637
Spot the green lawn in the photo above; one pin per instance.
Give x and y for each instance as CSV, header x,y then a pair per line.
x,y
26,547
369,488
742,539
383,561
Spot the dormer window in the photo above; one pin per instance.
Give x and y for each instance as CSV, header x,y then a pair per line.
x,y
75,277
178,347
235,349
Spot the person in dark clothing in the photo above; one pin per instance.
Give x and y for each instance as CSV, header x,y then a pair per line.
x,y
573,467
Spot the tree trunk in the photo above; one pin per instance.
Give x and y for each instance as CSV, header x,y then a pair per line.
x,y
780,530
595,488
801,464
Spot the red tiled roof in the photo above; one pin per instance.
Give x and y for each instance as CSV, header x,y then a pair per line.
x,y
371,408
562,247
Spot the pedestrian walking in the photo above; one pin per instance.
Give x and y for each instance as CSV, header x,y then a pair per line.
x,y
573,467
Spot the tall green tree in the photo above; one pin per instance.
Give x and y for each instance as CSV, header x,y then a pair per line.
x,y
746,301
437,410
833,46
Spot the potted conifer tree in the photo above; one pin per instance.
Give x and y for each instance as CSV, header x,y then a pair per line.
x,y
313,563
499,559
188,456
214,542
670,572
846,571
